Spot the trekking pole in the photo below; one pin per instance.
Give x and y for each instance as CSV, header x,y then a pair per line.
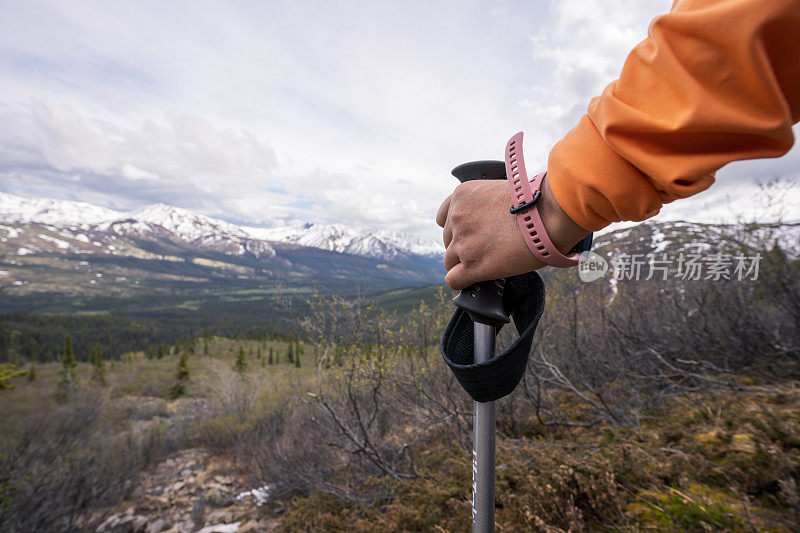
x,y
484,303
468,342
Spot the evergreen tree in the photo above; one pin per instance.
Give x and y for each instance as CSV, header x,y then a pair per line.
x,y
206,349
290,354
98,365
260,355
297,361
151,352
31,375
8,371
162,350
68,364
270,360
178,388
240,365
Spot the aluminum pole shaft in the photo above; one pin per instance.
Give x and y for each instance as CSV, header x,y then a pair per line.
x,y
483,442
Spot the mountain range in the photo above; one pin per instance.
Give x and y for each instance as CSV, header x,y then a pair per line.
x,y
57,251
65,249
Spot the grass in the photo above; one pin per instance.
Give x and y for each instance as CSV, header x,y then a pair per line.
x,y
708,462
713,461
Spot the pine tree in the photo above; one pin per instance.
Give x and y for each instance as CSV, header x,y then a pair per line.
x,y
297,361
206,349
270,360
290,354
260,355
31,375
68,364
9,371
151,352
241,363
162,350
178,388
98,365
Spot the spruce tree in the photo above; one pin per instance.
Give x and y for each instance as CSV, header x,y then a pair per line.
x,y
98,365
240,365
270,360
151,352
31,375
178,388
290,354
162,350
9,371
297,361
68,364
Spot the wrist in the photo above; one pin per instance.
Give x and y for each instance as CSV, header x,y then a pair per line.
x,y
564,232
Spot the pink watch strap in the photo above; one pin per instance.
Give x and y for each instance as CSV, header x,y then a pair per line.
x,y
524,196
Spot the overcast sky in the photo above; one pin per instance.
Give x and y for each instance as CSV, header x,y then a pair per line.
x,y
271,113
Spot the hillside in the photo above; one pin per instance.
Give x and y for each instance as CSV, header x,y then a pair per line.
x,y
60,256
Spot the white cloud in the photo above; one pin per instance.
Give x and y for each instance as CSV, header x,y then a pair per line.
x,y
273,112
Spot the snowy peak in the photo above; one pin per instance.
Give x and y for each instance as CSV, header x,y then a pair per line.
x,y
159,222
52,212
342,239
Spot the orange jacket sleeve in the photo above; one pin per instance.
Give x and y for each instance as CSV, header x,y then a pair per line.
x,y
715,81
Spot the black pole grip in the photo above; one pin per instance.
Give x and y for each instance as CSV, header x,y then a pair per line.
x,y
484,300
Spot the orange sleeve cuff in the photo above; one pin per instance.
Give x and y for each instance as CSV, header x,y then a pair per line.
x,y
594,185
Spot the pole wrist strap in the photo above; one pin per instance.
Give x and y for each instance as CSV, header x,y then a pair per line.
x,y
523,297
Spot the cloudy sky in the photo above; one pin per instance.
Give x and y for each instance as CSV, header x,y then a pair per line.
x,y
270,112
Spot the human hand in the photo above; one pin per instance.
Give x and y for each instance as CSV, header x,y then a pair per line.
x,y
483,240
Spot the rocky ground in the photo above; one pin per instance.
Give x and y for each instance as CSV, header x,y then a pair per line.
x,y
191,492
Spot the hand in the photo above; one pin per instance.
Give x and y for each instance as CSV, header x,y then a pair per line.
x,y
483,240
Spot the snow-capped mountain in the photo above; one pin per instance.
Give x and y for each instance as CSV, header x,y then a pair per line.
x,y
60,213
83,227
339,238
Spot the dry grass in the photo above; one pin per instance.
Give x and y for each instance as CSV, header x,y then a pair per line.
x,y
706,462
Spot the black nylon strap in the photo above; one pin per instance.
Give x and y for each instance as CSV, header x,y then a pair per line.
x,y
524,297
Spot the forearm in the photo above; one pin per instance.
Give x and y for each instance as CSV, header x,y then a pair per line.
x,y
716,81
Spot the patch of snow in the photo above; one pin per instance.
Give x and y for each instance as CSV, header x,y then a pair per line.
x,y
12,233
220,528
259,495
24,251
58,242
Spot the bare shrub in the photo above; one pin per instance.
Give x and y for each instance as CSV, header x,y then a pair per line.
x,y
67,462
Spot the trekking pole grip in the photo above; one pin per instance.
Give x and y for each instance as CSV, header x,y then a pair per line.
x,y
484,300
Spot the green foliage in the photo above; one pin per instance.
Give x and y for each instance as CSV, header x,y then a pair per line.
x,y
240,365
178,387
31,375
290,354
8,371
98,365
162,351
7,492
269,359
297,361
67,381
151,352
